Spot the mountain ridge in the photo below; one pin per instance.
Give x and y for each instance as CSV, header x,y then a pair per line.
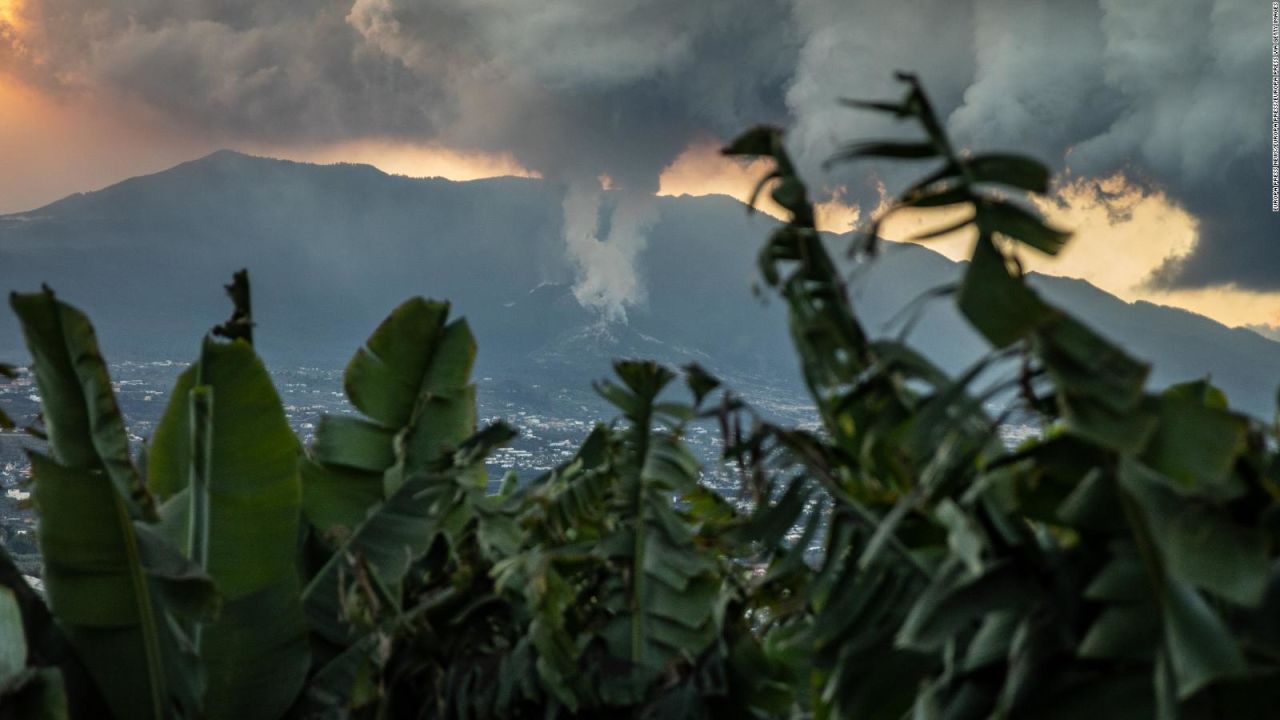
x,y
333,247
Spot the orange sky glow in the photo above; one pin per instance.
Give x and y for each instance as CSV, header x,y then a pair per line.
x,y
52,147
10,12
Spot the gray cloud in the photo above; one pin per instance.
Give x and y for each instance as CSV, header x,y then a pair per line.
x,y
580,88
260,71
574,89
1194,76
1174,93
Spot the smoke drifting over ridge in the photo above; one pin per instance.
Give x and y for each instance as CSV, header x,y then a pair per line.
x,y
577,89
1175,93
606,262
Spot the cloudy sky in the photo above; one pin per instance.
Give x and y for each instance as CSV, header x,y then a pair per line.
x,y
1155,116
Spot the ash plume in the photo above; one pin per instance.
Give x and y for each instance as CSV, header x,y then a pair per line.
x,y
1175,94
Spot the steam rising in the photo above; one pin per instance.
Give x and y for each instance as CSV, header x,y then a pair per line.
x,y
1173,92
607,279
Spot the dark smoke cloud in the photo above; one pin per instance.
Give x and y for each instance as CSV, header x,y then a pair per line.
x,y
574,89
1173,93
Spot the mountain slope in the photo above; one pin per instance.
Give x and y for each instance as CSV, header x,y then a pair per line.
x,y
1181,345
332,248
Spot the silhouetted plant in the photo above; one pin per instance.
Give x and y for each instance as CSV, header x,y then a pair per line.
x,y
7,372
1121,564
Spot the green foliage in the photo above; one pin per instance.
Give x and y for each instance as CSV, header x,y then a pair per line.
x,y
902,560
1117,565
106,573
224,464
25,692
8,372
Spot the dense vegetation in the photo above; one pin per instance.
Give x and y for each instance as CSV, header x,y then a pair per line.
x,y
899,562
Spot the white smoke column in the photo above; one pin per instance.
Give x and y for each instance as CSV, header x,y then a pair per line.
x,y
607,278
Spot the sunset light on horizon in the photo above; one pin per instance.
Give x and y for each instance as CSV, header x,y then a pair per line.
x,y
62,131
